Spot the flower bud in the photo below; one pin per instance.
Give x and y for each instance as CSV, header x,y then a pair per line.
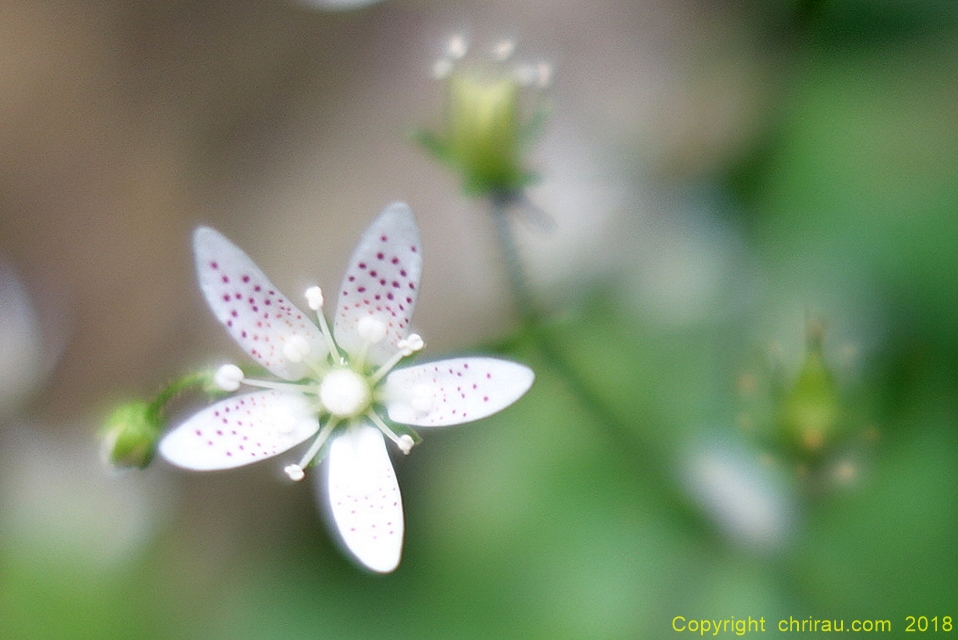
x,y
486,123
810,413
130,435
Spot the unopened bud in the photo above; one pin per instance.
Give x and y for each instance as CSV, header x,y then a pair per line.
x,y
130,435
810,413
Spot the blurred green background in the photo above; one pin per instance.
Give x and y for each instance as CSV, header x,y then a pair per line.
x,y
719,175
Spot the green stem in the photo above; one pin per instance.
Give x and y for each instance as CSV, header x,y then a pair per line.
x,y
197,380
642,454
518,280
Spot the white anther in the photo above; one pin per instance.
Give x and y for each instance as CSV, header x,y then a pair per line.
x,y
411,344
371,330
295,472
228,377
296,348
314,298
457,47
405,443
503,50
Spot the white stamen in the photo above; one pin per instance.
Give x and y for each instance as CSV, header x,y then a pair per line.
x,y
295,472
296,348
411,344
314,298
457,47
404,442
273,384
407,346
315,446
503,50
344,393
371,330
228,377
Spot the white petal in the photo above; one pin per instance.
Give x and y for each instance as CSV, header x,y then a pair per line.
x,y
260,318
240,430
364,498
454,391
382,281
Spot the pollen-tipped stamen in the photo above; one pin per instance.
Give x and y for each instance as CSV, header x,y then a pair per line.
x,y
407,347
295,471
404,441
273,384
229,377
315,300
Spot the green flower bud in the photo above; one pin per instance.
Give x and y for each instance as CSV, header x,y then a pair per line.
x,y
486,124
130,435
131,432
810,412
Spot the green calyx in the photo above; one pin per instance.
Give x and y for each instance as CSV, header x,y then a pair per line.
x,y
130,434
132,430
484,134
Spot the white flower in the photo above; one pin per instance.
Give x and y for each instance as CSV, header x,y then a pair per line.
x,y
338,383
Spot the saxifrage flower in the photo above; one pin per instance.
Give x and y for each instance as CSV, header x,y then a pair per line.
x,y
338,386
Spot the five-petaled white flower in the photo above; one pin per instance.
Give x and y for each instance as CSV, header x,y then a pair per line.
x,y
337,384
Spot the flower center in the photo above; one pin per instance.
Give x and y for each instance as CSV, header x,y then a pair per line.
x,y
344,393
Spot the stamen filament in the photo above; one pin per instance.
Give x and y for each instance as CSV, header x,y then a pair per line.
x,y
318,443
330,343
404,442
381,372
280,386
314,297
407,347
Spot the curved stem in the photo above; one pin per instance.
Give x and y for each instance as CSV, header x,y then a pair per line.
x,y
644,455
195,380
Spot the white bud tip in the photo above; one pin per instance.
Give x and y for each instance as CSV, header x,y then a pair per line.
x,y
371,330
228,377
314,298
296,348
405,443
457,47
411,344
295,472
503,50
543,75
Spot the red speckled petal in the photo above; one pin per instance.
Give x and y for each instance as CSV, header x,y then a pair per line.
x,y
260,318
454,391
382,281
364,498
240,430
